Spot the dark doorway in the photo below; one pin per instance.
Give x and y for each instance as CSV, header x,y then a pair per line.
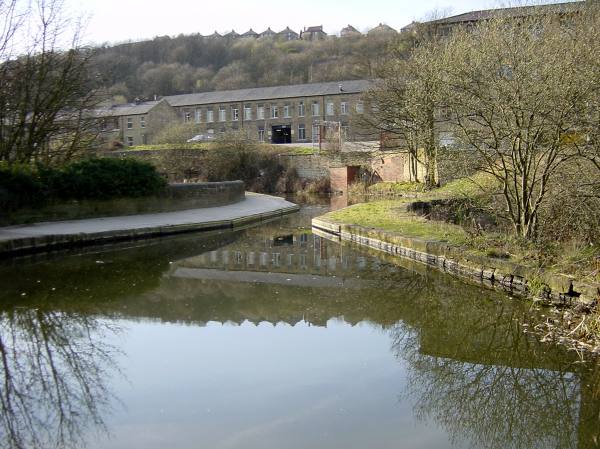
x,y
281,134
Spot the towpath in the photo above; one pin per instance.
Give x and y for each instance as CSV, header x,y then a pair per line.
x,y
60,234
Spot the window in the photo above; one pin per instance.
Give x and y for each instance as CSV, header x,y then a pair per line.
x,y
187,117
260,112
345,131
235,114
330,108
129,123
103,125
301,109
210,116
116,124
286,111
210,131
142,121
315,133
247,112
315,108
301,132
274,111
222,131
129,141
198,115
222,114
360,107
344,108
261,134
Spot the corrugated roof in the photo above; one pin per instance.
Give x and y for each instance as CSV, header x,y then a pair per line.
x,y
519,11
127,109
270,93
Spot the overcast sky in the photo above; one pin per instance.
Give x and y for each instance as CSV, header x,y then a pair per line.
x,y
120,20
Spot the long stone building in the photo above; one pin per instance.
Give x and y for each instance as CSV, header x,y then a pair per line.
x,y
279,114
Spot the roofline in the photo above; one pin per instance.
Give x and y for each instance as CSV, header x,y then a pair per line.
x,y
479,11
266,98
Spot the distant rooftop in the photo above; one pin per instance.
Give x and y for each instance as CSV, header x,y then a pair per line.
x,y
127,109
513,12
270,93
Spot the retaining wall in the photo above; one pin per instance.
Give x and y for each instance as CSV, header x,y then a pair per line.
x,y
551,288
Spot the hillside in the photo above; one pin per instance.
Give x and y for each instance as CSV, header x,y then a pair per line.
x,y
193,63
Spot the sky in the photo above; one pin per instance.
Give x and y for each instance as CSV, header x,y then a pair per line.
x,y
113,21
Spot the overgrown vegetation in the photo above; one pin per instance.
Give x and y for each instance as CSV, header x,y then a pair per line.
x,y
23,186
234,156
516,100
183,64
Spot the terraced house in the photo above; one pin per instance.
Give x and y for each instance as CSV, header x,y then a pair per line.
x,y
279,114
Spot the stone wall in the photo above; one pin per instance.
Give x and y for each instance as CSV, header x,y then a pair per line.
x,y
553,288
308,166
176,197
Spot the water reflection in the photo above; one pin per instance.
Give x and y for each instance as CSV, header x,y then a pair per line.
x,y
470,368
54,370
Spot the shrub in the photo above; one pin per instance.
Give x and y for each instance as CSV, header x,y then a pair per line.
x,y
235,157
107,178
26,186
20,186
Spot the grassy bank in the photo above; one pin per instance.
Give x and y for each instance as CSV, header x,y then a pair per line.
x,y
495,247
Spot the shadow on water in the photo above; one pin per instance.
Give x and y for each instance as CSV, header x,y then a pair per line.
x,y
471,368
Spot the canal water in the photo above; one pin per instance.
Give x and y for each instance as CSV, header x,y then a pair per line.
x,y
273,337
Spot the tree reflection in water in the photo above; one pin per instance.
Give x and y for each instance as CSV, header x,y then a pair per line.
x,y
505,405
54,374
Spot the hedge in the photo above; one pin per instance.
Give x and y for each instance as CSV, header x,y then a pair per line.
x,y
25,186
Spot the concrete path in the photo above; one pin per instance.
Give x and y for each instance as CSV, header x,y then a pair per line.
x,y
60,234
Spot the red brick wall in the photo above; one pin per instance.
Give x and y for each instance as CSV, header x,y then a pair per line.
x,y
390,168
339,178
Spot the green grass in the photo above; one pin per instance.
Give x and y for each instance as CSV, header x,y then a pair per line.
x,y
170,146
300,150
392,216
470,187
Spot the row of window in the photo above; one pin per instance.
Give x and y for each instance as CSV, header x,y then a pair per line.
x,y
275,112
130,122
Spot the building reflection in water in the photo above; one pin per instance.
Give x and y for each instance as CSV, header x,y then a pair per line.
x,y
470,367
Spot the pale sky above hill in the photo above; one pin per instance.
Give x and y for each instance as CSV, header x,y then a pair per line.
x,y
115,21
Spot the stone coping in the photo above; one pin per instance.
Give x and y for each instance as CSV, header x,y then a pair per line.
x,y
47,236
551,288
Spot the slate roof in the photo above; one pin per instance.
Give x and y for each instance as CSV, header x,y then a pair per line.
x,y
514,12
382,28
349,30
287,31
270,93
315,29
250,33
268,32
127,109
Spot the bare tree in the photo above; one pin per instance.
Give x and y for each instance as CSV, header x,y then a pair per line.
x,y
46,89
405,108
517,93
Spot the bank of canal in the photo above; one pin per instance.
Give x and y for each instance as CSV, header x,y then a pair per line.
x,y
275,337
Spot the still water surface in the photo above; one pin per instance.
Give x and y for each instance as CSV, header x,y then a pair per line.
x,y
273,337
